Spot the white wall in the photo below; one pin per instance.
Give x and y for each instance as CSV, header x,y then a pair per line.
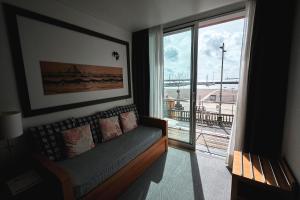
x,y
9,98
291,141
8,88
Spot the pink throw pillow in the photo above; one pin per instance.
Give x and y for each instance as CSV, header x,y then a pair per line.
x,y
128,121
78,140
110,128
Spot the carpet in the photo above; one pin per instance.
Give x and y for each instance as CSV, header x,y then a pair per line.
x,y
180,174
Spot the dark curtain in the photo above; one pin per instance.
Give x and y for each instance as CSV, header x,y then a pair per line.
x,y
268,76
140,71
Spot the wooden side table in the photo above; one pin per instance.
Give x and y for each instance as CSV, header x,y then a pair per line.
x,y
257,177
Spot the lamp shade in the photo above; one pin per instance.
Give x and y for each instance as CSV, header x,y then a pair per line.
x,y
10,125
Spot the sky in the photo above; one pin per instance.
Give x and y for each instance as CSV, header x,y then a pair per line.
x,y
177,52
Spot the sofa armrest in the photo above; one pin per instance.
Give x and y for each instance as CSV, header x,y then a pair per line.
x,y
155,122
58,172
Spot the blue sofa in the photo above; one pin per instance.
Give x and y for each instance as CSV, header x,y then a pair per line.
x,y
109,168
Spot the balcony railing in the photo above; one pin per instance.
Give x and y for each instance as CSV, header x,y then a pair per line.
x,y
202,117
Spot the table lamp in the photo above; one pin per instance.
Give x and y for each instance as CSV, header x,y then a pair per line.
x,y
10,126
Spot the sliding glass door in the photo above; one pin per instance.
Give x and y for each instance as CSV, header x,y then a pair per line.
x,y
213,49
178,84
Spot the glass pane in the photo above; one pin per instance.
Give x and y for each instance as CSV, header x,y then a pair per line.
x,y
177,83
217,84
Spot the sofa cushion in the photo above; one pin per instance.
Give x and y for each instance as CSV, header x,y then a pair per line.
x,y
128,121
48,138
78,140
110,128
93,121
107,158
118,110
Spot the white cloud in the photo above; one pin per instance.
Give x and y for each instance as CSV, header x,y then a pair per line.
x,y
181,44
178,51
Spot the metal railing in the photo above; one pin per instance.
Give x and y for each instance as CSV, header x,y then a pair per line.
x,y
202,117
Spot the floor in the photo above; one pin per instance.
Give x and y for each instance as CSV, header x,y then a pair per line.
x,y
183,175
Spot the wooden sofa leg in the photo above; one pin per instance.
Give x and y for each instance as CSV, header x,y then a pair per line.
x,y
234,188
166,144
68,191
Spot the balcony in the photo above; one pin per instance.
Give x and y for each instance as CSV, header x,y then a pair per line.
x,y
212,129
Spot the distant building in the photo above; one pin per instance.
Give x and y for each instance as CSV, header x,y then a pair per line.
x,y
228,96
213,97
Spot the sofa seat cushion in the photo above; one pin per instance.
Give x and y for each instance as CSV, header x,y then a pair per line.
x,y
93,167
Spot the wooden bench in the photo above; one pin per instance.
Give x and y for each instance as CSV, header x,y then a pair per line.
x,y
265,177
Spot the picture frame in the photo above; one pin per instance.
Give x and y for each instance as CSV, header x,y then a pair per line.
x,y
29,33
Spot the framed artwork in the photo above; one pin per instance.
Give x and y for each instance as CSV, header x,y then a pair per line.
x,y
62,66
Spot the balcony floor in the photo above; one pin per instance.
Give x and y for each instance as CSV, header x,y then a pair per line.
x,y
213,140
209,139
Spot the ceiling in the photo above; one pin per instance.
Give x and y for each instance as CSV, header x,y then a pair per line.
x,y
133,15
